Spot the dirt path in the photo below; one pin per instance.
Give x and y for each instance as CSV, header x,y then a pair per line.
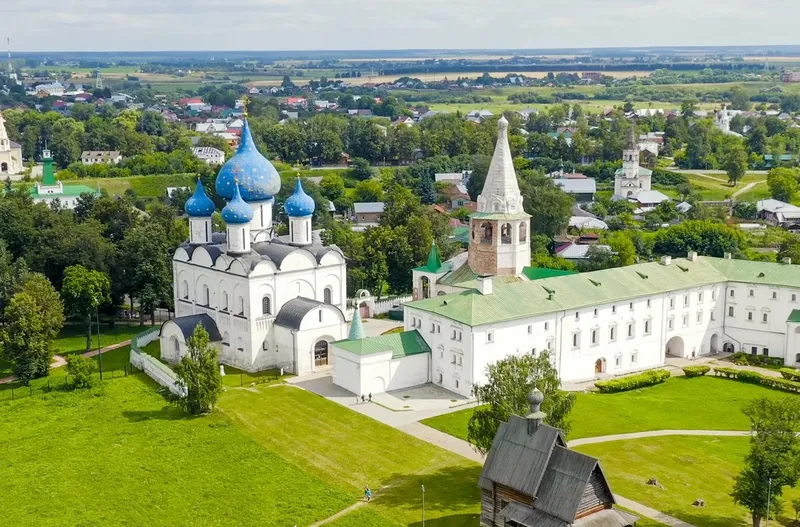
x,y
746,188
59,361
655,433
348,510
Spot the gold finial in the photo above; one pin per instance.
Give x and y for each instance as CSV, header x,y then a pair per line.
x,y
245,102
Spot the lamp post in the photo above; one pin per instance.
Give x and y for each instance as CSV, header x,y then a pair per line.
x,y
423,506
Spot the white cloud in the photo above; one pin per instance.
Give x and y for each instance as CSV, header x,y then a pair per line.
x,y
393,24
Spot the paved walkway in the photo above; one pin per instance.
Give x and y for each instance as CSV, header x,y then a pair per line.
x,y
59,361
655,433
746,188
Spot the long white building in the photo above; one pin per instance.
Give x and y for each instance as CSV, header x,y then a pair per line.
x,y
476,310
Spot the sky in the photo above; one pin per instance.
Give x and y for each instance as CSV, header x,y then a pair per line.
x,y
155,25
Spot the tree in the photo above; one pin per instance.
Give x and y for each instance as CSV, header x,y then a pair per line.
x,y
505,393
426,191
369,190
708,238
745,210
774,458
782,183
198,372
81,369
740,99
623,248
332,186
145,267
736,163
51,307
25,339
790,248
688,107
84,291
549,206
360,169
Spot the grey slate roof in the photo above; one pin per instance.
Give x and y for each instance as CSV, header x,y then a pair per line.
x,y
292,313
528,517
564,482
607,518
369,208
188,323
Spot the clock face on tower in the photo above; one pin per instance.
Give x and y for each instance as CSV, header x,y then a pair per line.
x,y
199,230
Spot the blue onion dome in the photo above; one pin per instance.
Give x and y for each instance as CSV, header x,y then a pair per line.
x,y
258,179
199,205
299,204
237,211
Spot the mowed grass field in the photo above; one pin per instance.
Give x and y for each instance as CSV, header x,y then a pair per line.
x,y
702,403
687,468
120,454
145,186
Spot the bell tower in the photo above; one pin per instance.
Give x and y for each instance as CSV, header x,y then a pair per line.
x,y
500,229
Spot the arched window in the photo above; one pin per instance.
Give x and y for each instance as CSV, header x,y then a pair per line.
x,y
426,287
486,232
176,346
224,300
505,233
206,296
266,305
327,295
3,167
523,232
185,290
241,305
226,339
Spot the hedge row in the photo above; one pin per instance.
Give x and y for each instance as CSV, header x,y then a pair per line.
x,y
757,378
791,374
642,380
696,371
741,358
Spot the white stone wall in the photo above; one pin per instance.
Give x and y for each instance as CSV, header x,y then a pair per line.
x,y
378,372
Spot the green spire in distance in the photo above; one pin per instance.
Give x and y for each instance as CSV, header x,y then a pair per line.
x,y
434,262
356,327
48,176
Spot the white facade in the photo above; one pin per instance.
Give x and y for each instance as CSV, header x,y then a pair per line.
x,y
631,179
379,372
10,153
245,294
619,338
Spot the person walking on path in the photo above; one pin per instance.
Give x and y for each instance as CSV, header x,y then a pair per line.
x,y
363,399
367,493
370,396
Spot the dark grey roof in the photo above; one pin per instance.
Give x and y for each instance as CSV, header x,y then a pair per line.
x,y
219,237
274,251
607,518
524,515
518,459
564,482
15,145
292,313
188,323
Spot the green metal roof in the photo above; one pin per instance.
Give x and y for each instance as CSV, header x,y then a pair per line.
x,y
794,316
539,273
356,327
69,191
460,275
575,291
400,344
460,234
48,176
434,264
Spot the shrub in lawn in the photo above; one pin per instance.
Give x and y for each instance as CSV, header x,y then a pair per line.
x,y
791,374
642,380
757,378
81,369
696,371
741,358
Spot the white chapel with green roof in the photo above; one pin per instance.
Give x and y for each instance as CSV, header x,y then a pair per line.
x,y
479,308
50,190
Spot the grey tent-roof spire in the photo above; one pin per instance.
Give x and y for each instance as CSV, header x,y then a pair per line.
x,y
535,418
356,327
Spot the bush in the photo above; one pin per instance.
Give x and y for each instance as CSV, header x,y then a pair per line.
x,y
642,380
81,369
695,371
791,374
757,378
741,358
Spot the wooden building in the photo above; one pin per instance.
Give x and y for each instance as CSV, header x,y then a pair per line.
x,y
531,479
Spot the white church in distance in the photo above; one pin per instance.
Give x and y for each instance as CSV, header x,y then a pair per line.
x,y
266,301
487,304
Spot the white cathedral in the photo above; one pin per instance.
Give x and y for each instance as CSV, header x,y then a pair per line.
x,y
487,304
10,153
266,301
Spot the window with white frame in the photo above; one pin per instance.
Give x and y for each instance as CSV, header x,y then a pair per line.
x,y
713,294
648,302
530,329
576,340
630,306
224,301
490,337
266,305
433,327
327,295
685,322
547,326
459,336
577,315
732,293
671,323
713,316
700,297
454,359
618,361
612,333
764,318
631,330
595,337
700,317
731,311
685,300
550,344
749,316
613,310
454,335
794,297
672,303
774,295
634,357
460,358
752,292
648,326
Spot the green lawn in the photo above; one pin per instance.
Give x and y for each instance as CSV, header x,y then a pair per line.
x,y
708,403
349,451
72,338
121,455
687,468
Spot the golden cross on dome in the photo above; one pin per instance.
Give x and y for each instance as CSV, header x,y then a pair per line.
x,y
245,102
